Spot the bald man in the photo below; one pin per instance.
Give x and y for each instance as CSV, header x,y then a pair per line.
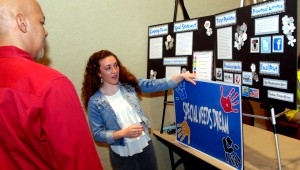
x,y
42,123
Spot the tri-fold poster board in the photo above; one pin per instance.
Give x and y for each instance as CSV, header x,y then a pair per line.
x,y
253,46
248,52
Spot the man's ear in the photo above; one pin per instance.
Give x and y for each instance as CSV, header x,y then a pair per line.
x,y
21,21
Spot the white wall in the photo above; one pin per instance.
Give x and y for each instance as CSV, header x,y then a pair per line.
x,y
79,28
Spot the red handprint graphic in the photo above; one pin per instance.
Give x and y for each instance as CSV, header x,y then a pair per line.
x,y
227,102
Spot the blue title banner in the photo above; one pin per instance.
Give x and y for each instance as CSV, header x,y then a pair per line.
x,y
226,19
209,119
268,8
158,30
186,26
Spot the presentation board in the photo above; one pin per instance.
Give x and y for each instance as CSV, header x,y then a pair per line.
x,y
209,119
253,46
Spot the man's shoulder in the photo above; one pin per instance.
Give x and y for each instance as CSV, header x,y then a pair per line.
x,y
48,71
41,75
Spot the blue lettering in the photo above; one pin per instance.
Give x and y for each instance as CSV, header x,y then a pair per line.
x,y
206,116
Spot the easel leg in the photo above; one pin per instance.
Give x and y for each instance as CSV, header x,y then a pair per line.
x,y
164,111
275,136
172,159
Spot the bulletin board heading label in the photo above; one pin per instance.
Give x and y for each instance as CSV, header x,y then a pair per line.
x,y
225,19
175,61
269,68
186,26
233,66
158,30
268,8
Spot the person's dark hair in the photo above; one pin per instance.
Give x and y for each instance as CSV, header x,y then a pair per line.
x,y
91,82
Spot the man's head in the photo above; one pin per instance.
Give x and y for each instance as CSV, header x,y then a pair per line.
x,y
22,25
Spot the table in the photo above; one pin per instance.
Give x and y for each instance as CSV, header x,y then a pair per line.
x,y
259,152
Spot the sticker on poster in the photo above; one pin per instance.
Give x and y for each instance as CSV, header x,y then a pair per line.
x,y
265,44
245,91
153,74
169,43
247,77
288,28
238,79
254,74
254,45
254,93
228,77
219,73
278,44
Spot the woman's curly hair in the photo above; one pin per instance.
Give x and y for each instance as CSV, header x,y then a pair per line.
x,y
92,83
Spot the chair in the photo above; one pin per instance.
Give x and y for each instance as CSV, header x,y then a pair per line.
x,y
287,128
283,126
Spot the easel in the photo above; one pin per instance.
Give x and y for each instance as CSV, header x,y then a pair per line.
x,y
166,102
186,17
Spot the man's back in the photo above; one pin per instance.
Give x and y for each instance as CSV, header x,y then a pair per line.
x,y
42,122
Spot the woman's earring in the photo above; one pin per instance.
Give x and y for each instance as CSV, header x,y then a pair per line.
x,y
101,80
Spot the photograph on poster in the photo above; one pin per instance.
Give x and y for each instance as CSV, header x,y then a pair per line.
x,y
278,44
228,77
254,92
245,91
219,74
238,79
247,78
265,44
254,45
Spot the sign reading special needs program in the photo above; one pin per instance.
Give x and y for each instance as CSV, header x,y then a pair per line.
x,y
209,119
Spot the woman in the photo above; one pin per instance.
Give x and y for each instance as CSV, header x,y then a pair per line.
x,y
110,94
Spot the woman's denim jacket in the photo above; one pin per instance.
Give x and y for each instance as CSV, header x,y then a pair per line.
x,y
102,118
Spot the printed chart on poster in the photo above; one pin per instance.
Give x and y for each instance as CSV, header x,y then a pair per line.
x,y
253,46
209,119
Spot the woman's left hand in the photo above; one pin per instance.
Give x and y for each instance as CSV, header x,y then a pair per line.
x,y
189,77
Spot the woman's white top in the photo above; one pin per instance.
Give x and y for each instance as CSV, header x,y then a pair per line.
x,y
127,116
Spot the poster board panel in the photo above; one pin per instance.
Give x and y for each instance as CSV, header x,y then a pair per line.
x,y
209,119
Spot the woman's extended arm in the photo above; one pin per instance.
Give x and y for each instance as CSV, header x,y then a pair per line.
x,y
184,76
